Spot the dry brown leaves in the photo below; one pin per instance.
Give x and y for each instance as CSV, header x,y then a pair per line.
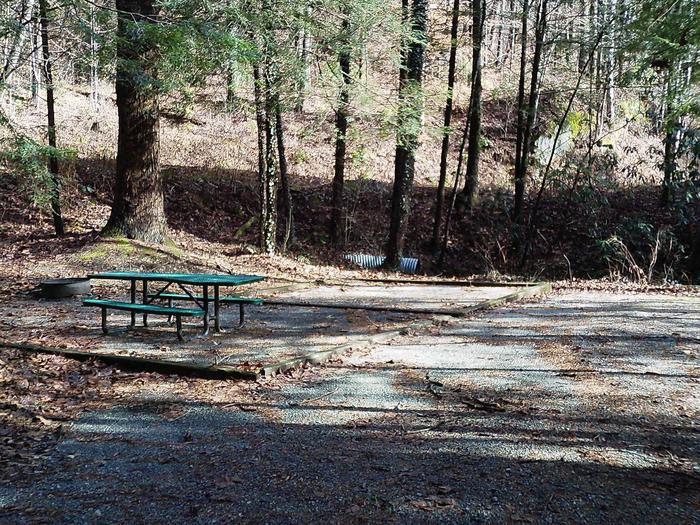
x,y
38,395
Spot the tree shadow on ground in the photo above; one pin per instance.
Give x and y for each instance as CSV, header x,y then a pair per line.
x,y
215,465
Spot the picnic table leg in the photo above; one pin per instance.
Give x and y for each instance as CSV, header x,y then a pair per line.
x,y
145,300
178,326
205,307
217,323
104,320
133,301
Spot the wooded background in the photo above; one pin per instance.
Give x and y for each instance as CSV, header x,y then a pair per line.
x,y
534,137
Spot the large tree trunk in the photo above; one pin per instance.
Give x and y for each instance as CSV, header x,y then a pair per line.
x,y
447,121
51,121
138,208
471,185
337,226
409,124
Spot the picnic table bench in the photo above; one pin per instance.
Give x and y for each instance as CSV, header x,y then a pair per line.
x,y
181,280
232,299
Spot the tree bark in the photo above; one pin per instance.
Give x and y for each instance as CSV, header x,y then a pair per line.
x,y
259,118
94,73
519,199
447,121
138,209
35,69
287,205
51,121
671,141
471,184
409,124
337,226
13,53
269,179
303,44
455,189
694,258
230,91
530,113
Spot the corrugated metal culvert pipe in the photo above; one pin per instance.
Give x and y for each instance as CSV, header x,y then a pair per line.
x,y
406,264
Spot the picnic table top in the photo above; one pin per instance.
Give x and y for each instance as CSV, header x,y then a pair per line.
x,y
183,278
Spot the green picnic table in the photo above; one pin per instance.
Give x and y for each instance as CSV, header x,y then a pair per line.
x,y
180,280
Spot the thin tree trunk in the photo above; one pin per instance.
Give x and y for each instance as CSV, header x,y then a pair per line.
x,y
471,184
287,205
230,90
337,226
269,180
94,74
581,34
410,117
405,20
608,16
304,41
35,60
519,199
259,119
500,44
512,33
447,121
455,190
557,135
678,81
51,121
13,53
534,96
530,112
671,141
138,210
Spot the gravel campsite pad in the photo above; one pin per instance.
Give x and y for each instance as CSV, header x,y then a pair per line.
x,y
272,333
582,408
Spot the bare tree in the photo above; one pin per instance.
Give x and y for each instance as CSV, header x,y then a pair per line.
x,y
447,131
